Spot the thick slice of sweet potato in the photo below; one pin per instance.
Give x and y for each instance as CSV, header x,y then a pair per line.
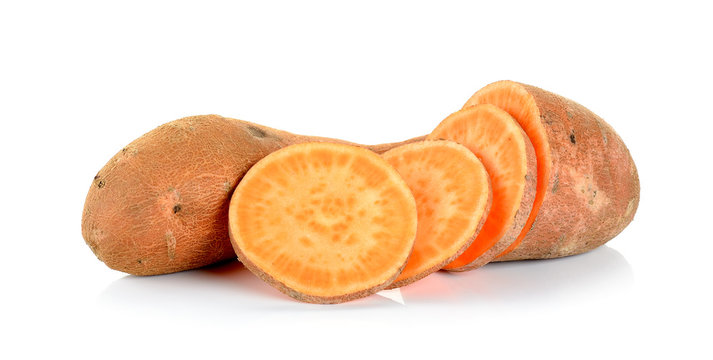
x,y
503,147
323,222
452,194
587,183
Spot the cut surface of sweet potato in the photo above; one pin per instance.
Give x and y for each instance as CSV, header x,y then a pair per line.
x,y
322,222
503,147
452,194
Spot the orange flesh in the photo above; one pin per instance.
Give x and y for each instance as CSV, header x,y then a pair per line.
x,y
324,219
496,139
451,189
515,100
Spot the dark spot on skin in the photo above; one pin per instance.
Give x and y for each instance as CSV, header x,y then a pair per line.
x,y
556,185
572,139
96,177
176,208
138,261
123,150
257,132
546,119
101,184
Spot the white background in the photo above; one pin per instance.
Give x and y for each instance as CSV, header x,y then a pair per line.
x,y
79,80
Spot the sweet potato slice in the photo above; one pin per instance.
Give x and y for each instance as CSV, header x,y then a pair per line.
x,y
322,222
587,183
499,142
452,194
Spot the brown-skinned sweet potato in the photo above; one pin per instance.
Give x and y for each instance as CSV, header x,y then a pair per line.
x,y
160,205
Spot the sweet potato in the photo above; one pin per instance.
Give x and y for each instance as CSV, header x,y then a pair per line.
x,y
160,205
323,222
452,194
505,150
587,183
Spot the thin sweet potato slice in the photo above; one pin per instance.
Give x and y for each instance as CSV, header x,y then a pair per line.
x,y
452,194
499,142
323,222
587,182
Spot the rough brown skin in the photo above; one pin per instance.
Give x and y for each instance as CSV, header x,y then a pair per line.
x,y
160,205
593,190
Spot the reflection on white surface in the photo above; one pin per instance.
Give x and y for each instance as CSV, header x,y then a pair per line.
x,y
229,288
602,270
393,294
